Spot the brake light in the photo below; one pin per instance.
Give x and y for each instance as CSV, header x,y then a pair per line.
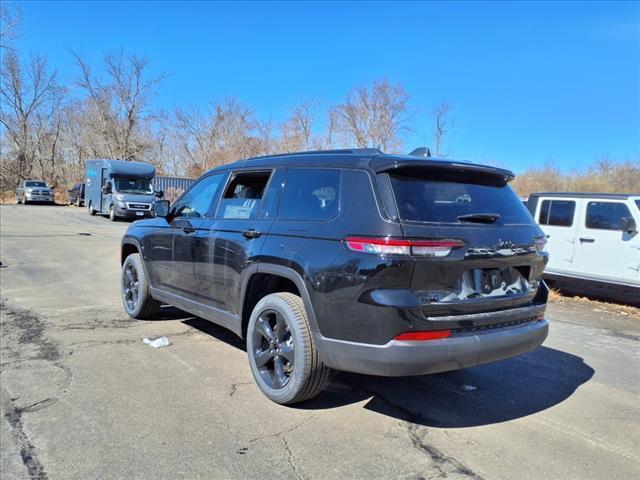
x,y
540,244
420,336
387,245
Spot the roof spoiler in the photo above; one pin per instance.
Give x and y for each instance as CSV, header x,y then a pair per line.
x,y
389,164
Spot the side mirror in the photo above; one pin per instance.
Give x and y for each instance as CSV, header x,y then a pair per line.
x,y
628,224
160,194
161,208
106,189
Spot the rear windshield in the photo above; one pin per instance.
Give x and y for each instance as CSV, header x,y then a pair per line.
x,y
425,199
35,184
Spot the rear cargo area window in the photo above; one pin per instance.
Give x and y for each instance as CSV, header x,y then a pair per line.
x,y
557,213
425,198
606,215
310,194
242,197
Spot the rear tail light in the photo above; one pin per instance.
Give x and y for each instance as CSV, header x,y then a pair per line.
x,y
540,244
430,248
421,336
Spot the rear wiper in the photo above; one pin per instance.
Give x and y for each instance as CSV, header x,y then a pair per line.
x,y
480,217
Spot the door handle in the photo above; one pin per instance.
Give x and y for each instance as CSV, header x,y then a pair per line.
x,y
587,240
188,229
251,233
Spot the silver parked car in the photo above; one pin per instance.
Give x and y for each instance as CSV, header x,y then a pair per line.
x,y
34,191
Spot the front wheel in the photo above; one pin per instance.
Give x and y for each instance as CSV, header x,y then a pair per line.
x,y
78,203
134,287
91,210
18,201
284,360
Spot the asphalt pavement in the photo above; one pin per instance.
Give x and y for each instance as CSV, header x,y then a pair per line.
x,y
82,397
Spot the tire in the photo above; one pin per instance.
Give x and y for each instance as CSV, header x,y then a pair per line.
x,y
112,214
134,289
18,201
91,210
284,315
78,203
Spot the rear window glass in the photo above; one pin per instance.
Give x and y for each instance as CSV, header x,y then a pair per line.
x,y
606,215
429,200
310,194
557,213
35,184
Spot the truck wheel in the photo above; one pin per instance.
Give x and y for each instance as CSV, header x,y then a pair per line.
x,y
77,201
284,360
112,214
91,210
18,201
136,298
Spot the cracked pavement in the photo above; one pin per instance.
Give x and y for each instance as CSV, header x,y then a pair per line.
x,y
82,396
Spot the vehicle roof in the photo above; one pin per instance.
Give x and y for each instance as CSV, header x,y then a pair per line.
x,y
617,196
363,158
127,167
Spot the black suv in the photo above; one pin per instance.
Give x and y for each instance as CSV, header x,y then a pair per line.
x,y
347,259
76,195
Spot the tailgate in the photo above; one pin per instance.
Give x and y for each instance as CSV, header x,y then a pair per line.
x,y
497,265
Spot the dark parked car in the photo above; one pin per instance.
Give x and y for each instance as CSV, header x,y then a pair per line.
x,y
348,259
34,191
76,195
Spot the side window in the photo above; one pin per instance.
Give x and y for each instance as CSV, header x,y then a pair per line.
x,y
558,213
310,194
243,194
197,201
606,215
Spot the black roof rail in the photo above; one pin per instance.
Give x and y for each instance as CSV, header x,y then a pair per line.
x,y
345,151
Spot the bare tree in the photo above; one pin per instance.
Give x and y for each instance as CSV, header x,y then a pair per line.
x,y
375,116
119,102
297,130
9,24
30,98
226,131
443,126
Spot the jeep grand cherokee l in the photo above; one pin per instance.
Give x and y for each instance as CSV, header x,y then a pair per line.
x,y
347,259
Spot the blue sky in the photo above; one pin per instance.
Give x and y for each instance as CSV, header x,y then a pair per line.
x,y
530,82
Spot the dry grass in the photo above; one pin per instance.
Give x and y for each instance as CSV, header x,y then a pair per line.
x,y
556,296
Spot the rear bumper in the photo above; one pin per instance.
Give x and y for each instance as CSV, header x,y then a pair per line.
x,y
401,358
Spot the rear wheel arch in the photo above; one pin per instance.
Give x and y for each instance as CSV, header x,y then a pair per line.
x,y
262,279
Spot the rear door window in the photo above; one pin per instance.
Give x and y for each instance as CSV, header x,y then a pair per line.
x,y
606,215
425,198
557,213
310,194
243,195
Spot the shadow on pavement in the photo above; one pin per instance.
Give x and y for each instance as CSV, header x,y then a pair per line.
x,y
216,331
483,395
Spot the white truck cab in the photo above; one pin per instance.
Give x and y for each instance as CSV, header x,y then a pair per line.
x,y
593,242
